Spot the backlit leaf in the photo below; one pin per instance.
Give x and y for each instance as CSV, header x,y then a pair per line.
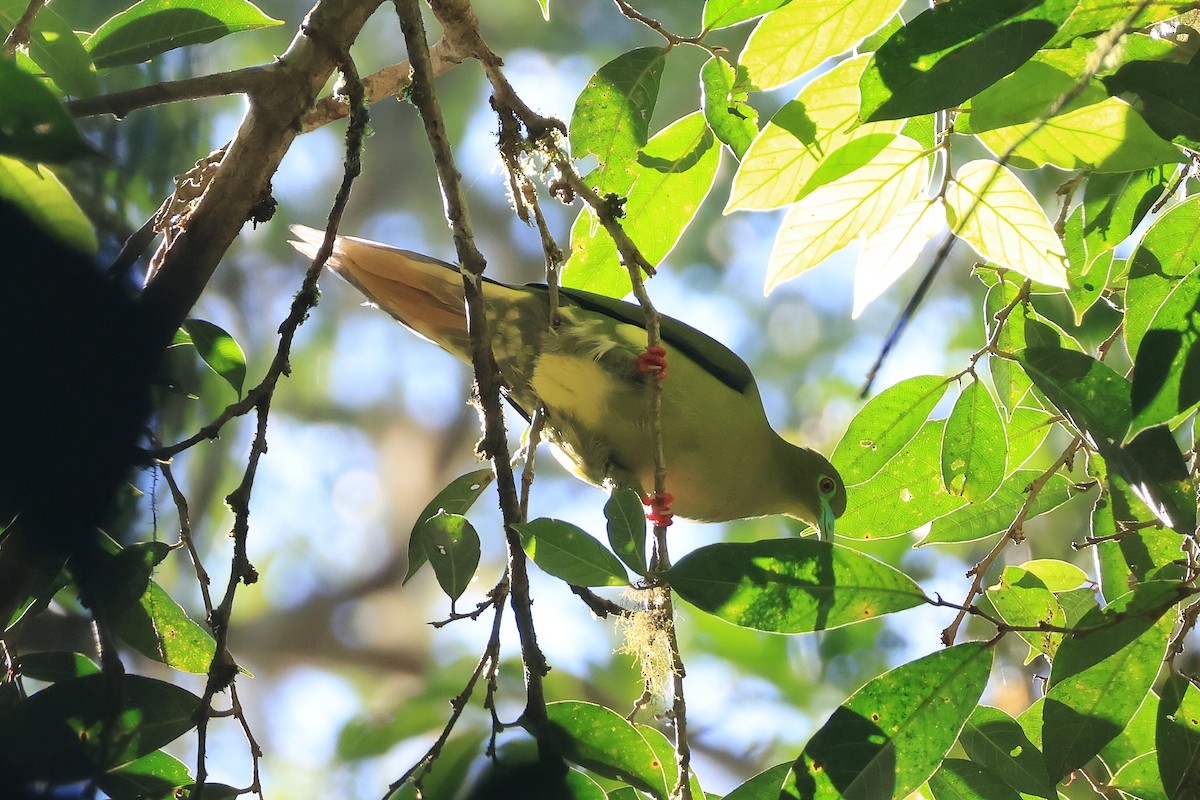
x,y
994,740
627,528
991,210
602,740
953,51
673,174
612,115
150,27
851,207
890,736
1177,736
1167,253
567,552
1166,368
41,195
885,424
905,495
889,252
775,171
790,585
452,547
36,126
979,520
958,778
69,731
220,351
1098,680
458,496
1109,136
974,446
794,39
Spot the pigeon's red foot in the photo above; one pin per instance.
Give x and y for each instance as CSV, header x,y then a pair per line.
x,y
653,360
658,509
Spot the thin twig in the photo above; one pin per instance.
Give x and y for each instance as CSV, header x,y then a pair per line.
x,y
239,81
457,16
19,35
488,662
1013,535
224,669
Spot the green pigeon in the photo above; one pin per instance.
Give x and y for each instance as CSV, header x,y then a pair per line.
x,y
593,375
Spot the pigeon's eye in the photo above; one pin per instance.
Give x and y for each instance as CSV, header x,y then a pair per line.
x,y
826,485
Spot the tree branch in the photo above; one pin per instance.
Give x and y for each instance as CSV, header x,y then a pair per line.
x,y
243,178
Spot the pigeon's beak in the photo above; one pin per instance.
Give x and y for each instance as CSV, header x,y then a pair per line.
x,y
825,520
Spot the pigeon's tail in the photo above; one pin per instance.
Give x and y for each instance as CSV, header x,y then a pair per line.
x,y
423,293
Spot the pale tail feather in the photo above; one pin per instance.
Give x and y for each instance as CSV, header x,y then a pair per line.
x,y
423,293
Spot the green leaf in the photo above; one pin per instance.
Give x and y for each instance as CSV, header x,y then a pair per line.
x,y
151,27
958,778
219,350
1139,553
452,547
731,117
1094,16
1058,576
457,498
41,195
671,177
612,115
763,786
725,13
56,49
569,553
627,528
1098,680
855,205
1012,384
1177,736
1089,393
992,210
601,740
54,666
36,127
994,740
69,730
885,425
1139,778
1115,205
790,585
1109,136
905,495
1166,367
155,775
1028,428
1023,600
1167,253
890,736
159,628
953,51
1027,94
1136,738
776,170
888,253
796,38
664,749
979,520
1173,115
1088,276
974,445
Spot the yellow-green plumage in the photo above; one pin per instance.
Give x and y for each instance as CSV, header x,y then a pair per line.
x,y
723,459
